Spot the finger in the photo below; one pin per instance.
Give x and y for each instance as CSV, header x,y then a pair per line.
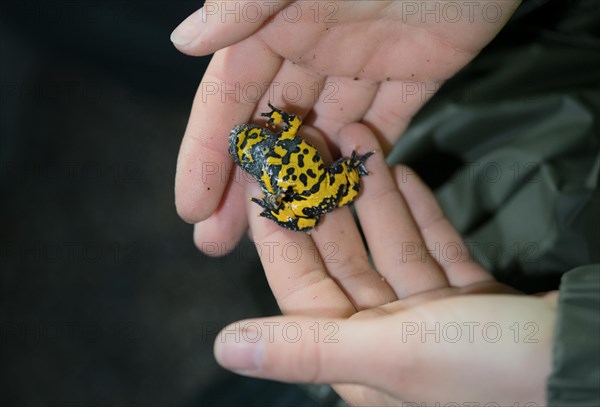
x,y
359,395
394,106
294,89
439,235
305,350
342,101
219,234
220,24
294,269
225,98
396,246
343,252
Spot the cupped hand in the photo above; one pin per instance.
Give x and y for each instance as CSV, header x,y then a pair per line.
x,y
333,63
417,322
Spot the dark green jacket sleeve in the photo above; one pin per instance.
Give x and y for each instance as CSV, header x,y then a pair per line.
x,y
575,378
511,146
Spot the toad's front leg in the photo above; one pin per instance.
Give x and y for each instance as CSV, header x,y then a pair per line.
x,y
292,123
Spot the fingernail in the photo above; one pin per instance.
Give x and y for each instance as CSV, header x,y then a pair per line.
x,y
189,29
239,348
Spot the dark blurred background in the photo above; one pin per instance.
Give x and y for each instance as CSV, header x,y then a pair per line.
x,y
104,299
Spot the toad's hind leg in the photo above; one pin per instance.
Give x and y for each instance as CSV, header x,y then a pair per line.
x,y
292,123
269,202
358,161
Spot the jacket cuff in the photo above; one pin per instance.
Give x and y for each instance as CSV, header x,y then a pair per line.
x,y
575,377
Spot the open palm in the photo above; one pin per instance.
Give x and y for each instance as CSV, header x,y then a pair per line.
x,y
332,63
399,329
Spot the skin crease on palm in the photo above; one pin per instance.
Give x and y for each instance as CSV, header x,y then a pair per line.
x,y
375,62
372,361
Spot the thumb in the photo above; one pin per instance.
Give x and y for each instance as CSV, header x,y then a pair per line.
x,y
220,24
300,349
